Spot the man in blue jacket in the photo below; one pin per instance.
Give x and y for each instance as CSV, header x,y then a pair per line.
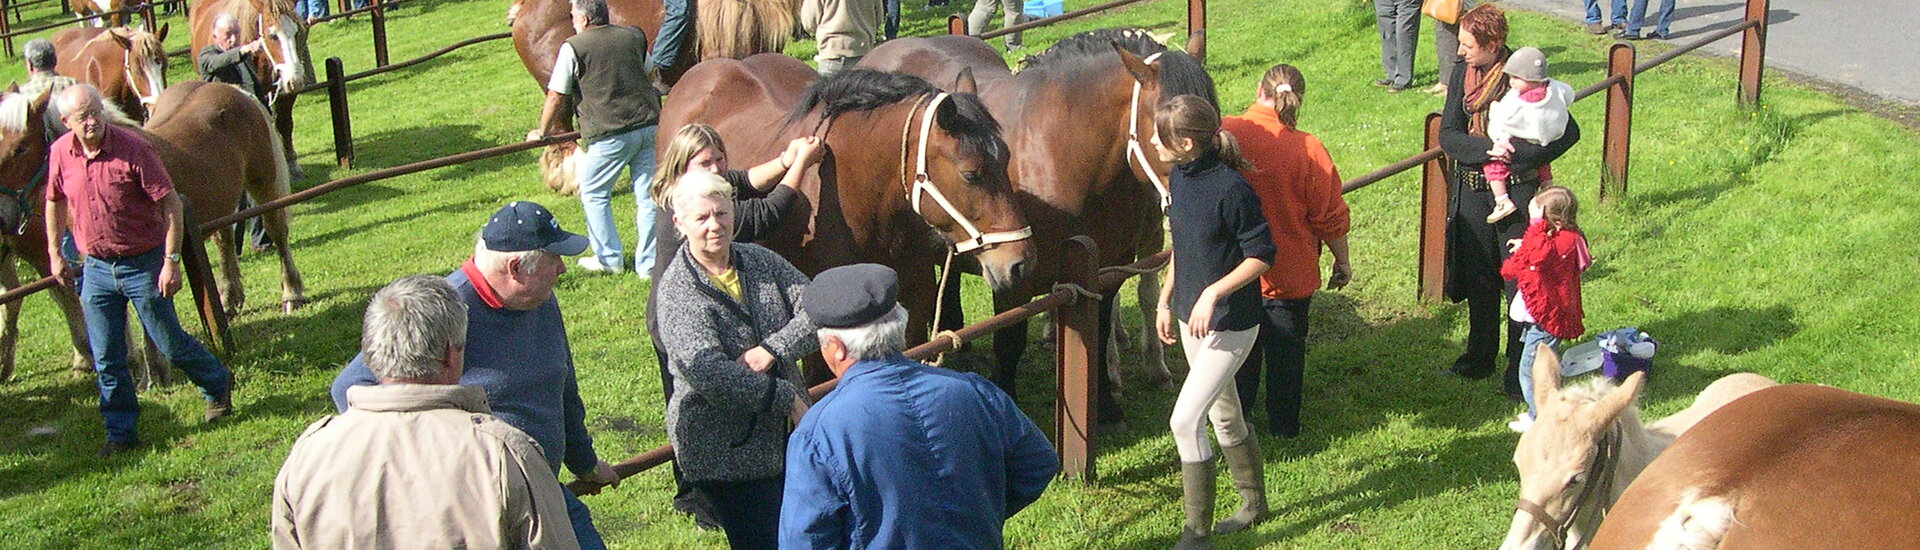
x,y
901,455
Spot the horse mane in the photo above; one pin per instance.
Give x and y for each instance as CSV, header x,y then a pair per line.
x,y
274,9
736,29
13,112
14,106
862,90
145,44
1180,74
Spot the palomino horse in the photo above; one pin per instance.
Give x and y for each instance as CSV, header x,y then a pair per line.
x,y
128,66
731,29
284,55
1079,117
1796,466
1586,447
910,172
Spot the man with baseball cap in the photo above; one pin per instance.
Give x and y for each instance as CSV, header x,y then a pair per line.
x,y
901,455
516,346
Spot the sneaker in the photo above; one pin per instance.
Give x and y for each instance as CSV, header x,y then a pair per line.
x,y
116,447
1438,89
1502,207
1383,83
1396,88
593,264
1520,423
218,408
1624,35
1596,28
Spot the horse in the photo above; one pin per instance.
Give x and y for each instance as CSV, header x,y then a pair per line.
x,y
1588,445
284,54
84,8
944,186
732,29
129,66
1078,117
1795,466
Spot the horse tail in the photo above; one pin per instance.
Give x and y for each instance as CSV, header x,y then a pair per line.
x,y
513,12
559,167
282,165
738,28
1697,524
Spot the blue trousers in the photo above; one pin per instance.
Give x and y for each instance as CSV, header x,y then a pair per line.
x,y
1530,342
1619,11
1662,19
673,32
749,511
582,519
111,284
310,9
1399,24
599,168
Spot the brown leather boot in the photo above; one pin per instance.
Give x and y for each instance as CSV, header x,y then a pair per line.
x,y
1248,470
1196,482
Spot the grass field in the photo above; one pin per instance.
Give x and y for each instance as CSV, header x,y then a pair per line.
x,y
1779,241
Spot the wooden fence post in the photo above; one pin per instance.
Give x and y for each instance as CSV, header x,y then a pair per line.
x,y
342,121
146,17
1076,332
956,25
379,33
1196,26
1613,149
1753,53
1433,217
6,32
206,291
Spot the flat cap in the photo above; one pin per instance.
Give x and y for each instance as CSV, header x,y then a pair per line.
x,y
851,296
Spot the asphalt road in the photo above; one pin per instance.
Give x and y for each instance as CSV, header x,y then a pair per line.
x,y
1863,44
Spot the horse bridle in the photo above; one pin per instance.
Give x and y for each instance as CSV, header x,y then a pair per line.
x,y
922,184
1138,153
146,100
260,30
1607,451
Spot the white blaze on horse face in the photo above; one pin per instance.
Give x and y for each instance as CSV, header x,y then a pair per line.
x,y
156,75
289,72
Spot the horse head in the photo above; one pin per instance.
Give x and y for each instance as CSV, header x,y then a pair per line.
x,y
143,62
24,135
285,42
953,164
1569,458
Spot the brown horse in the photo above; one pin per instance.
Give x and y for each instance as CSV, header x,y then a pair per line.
x,y
1795,466
731,29
83,8
284,55
910,171
128,66
1588,445
1074,115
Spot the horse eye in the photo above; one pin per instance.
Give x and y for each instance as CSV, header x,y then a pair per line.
x,y
972,176
21,150
1577,479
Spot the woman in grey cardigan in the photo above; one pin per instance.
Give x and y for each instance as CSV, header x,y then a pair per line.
x,y
730,319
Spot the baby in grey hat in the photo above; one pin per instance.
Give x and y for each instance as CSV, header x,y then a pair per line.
x,y
1534,109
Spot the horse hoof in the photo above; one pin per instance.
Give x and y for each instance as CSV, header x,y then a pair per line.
x,y
287,306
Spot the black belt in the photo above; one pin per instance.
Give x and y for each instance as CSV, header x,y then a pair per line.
x,y
1473,178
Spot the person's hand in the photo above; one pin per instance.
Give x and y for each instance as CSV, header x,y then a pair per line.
x,y
758,359
536,135
255,46
169,278
1201,321
1163,325
798,410
808,150
1342,274
603,474
58,267
1513,245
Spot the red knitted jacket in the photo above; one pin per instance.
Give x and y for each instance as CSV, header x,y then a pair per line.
x,y
1547,270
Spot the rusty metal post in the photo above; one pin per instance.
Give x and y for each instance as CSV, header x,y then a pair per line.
x,y
206,291
1196,28
1613,150
379,16
342,121
1433,217
956,25
1076,331
1753,53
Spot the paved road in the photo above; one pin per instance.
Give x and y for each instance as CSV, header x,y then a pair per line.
x,y
1867,44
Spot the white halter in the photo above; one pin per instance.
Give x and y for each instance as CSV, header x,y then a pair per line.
x,y
146,100
1137,153
923,184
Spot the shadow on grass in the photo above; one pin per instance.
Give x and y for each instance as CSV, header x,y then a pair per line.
x,y
64,421
318,240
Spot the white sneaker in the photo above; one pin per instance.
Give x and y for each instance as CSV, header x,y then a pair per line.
x,y
593,264
1520,423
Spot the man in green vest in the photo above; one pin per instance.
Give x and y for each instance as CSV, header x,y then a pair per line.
x,y
602,69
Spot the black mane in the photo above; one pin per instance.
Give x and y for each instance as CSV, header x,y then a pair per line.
x,y
861,90
1180,74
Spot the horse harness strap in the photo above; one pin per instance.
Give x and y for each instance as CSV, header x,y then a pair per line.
x,y
146,100
1606,453
22,196
923,184
1137,153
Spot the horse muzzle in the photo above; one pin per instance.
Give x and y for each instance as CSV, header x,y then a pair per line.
x,y
1006,265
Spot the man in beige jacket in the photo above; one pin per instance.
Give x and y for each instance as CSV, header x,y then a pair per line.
x,y
417,461
845,30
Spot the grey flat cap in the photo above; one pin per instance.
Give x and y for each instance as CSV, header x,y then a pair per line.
x,y
851,296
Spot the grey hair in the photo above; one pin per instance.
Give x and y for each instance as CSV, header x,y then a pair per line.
x,y
879,338
697,184
224,18
529,259
66,100
39,55
410,324
595,10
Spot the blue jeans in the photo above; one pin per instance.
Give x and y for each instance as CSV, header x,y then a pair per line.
x,y
582,519
310,9
1663,18
1530,342
111,284
673,32
1619,11
599,168
893,18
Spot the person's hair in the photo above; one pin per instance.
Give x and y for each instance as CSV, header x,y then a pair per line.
x,y
1559,208
1288,89
595,10
1487,24
86,92
1189,116
529,259
687,142
225,19
694,185
39,55
876,339
409,326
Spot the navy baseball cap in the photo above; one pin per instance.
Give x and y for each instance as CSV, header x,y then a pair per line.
x,y
524,225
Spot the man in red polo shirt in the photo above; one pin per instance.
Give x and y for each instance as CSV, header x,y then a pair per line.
x,y
107,185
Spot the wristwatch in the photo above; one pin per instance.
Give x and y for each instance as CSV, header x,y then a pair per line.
x,y
174,257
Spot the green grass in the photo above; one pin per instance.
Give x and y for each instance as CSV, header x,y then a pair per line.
x,y
1778,242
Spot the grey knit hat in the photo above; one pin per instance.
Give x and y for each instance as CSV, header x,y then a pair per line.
x,y
1529,63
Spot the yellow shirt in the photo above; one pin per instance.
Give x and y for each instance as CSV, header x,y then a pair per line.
x,y
728,282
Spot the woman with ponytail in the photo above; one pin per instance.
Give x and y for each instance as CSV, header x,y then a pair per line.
x,y
1299,193
1220,245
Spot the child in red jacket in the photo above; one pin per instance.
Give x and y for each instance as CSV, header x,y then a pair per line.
x,y
1545,266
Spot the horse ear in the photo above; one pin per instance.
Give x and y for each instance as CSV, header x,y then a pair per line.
x,y
1613,403
1546,374
121,39
1142,71
13,87
1197,46
162,35
965,84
